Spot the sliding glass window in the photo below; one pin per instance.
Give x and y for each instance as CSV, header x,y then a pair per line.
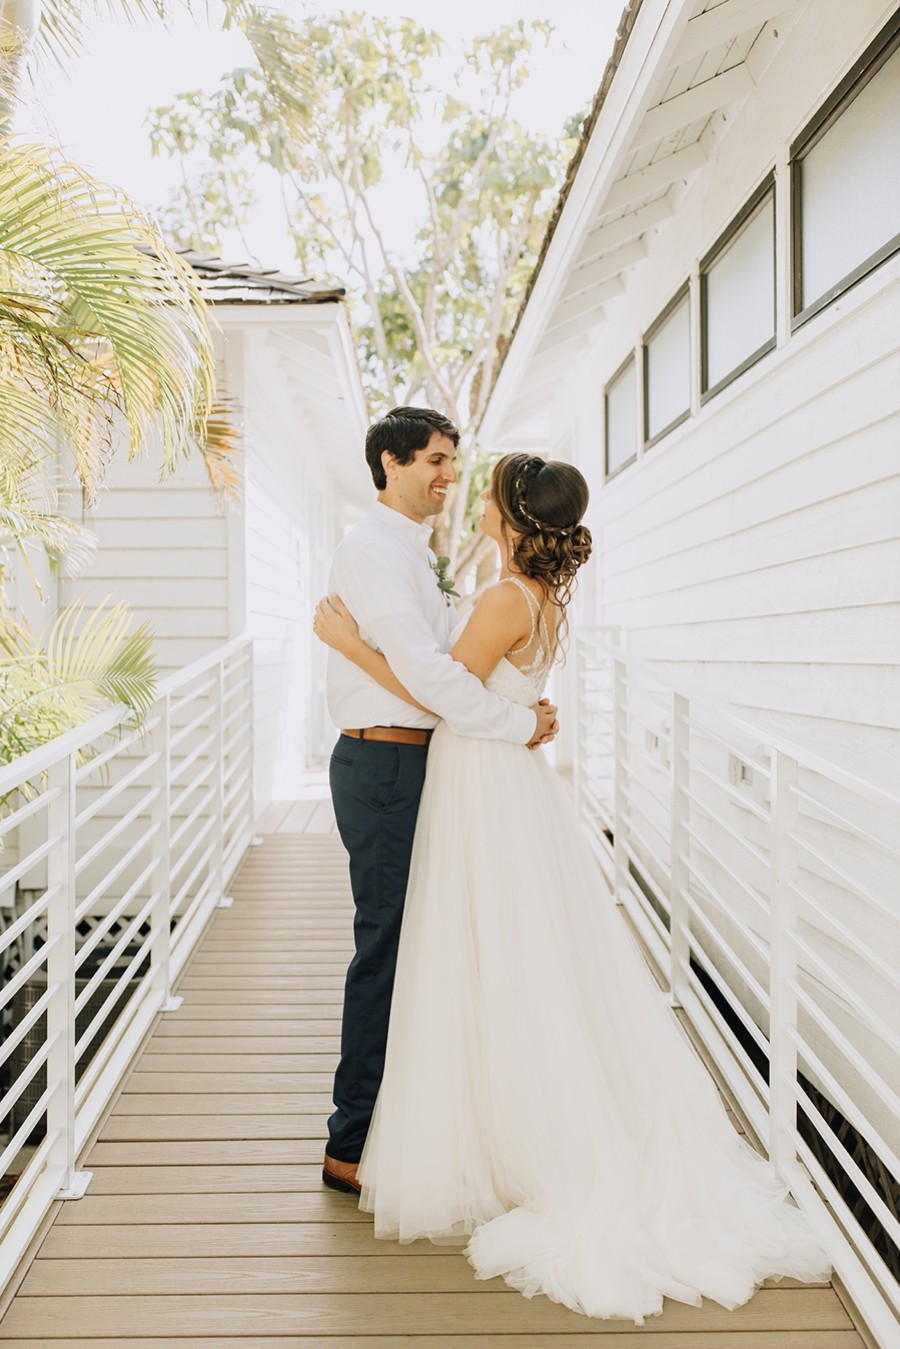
x,y
621,417
737,294
846,181
667,369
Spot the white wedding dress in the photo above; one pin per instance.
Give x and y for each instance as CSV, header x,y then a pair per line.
x,y
539,1097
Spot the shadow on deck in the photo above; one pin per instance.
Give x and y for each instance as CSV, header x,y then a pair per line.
x,y
206,1225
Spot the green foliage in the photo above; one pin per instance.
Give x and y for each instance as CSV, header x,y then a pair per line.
x,y
52,683
432,326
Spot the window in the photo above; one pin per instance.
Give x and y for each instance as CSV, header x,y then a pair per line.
x,y
737,294
667,369
621,417
846,181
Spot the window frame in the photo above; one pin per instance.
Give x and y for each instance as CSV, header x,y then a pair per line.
x,y
683,293
876,55
748,212
614,379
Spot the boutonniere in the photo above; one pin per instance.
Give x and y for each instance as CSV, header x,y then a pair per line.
x,y
445,583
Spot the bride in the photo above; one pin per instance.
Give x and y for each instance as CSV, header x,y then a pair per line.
x,y
539,1099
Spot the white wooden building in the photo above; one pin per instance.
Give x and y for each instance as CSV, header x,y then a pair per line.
x,y
202,575
713,336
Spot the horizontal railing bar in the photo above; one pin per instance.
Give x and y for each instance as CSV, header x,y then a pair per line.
x,y
843,1102
182,893
103,927
728,993
239,837
175,804
9,935
228,747
720,862
183,732
845,879
710,892
190,759
727,950
236,762
113,874
115,790
176,704
729,829
738,797
844,823
860,1007
638,894
15,818
220,656
35,1063
846,934
122,985
38,855
184,922
857,1236
189,819
643,754
652,730
662,833
189,850
235,787
863,787
27,970
17,1035
103,843
87,770
741,1057
651,852
861,1065
707,733
125,936
844,1158
10,1152
663,801
704,880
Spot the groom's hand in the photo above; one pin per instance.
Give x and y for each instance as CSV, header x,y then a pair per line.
x,y
547,725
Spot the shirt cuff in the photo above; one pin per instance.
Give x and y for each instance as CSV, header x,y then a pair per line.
x,y
524,726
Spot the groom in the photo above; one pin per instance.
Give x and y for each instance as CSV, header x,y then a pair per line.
x,y
384,571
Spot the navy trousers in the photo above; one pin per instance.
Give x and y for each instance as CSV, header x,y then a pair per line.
x,y
375,789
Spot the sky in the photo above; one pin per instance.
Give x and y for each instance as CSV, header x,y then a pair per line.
x,y
97,107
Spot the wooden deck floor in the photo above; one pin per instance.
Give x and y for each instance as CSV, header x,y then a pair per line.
x,y
206,1225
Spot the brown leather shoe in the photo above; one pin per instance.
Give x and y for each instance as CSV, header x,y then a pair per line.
x,y
341,1175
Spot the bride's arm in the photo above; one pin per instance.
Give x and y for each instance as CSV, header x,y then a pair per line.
x,y
336,627
500,621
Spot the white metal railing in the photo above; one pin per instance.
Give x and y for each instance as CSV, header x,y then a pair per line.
x,y
765,883
117,844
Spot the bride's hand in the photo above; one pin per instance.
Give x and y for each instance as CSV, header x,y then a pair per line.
x,y
334,625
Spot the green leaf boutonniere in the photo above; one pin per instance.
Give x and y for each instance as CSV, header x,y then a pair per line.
x,y
445,583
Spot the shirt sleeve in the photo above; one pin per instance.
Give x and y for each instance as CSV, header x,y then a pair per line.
x,y
386,606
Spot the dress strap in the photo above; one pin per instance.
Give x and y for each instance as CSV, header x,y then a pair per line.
x,y
533,608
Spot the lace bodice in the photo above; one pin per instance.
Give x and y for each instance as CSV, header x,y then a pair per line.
x,y
524,684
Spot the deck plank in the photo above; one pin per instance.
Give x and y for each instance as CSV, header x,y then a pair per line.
x,y
207,1226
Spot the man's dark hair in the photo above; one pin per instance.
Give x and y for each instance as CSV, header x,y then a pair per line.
x,y
401,433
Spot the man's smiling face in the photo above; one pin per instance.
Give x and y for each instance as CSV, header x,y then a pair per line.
x,y
419,489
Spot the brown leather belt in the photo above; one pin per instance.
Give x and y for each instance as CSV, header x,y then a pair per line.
x,y
391,735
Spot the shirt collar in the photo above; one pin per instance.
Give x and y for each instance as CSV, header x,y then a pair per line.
x,y
386,515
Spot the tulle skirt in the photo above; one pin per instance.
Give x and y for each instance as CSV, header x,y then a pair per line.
x,y
539,1098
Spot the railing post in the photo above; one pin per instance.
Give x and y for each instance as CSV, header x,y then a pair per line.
x,y
679,915
620,694
161,915
580,730
61,974
219,797
255,839
783,964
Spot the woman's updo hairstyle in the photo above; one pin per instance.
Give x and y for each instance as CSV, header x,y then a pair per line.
x,y
543,503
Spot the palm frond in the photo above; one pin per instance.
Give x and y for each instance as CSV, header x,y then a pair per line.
x,y
285,58
50,685
219,440
100,276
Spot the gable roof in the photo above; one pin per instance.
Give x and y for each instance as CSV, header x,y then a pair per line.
x,y
239,283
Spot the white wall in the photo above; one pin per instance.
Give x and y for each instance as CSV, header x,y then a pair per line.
x,y
756,549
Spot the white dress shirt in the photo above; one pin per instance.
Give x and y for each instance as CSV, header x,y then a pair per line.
x,y
383,572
